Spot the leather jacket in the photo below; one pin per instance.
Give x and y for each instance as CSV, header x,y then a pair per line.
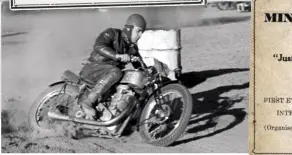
x,y
109,43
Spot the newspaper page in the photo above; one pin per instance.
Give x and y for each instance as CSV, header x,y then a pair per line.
x,y
270,97
125,76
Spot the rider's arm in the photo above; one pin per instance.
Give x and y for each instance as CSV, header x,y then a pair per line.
x,y
104,42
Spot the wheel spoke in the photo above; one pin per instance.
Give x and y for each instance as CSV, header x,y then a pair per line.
x,y
166,98
160,135
173,124
38,118
174,102
158,132
154,132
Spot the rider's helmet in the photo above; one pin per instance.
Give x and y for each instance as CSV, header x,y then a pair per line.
x,y
136,20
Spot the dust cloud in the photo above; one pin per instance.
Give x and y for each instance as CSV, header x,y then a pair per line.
x,y
56,40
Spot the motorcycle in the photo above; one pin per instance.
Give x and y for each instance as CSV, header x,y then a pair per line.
x,y
158,108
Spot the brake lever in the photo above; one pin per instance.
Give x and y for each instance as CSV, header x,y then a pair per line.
x,y
138,59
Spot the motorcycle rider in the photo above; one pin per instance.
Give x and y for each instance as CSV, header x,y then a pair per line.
x,y
111,52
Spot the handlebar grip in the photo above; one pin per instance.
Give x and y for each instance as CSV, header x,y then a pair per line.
x,y
134,58
119,59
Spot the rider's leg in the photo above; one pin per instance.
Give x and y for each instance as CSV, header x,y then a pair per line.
x,y
109,78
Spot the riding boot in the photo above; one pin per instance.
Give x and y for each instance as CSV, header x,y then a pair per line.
x,y
96,94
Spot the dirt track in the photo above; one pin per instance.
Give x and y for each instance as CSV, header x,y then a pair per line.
x,y
38,47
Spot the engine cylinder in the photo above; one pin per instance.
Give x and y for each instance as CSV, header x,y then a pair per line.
x,y
123,98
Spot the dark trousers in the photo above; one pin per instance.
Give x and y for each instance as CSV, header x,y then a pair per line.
x,y
104,76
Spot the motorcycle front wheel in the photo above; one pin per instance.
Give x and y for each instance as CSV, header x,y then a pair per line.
x,y
161,125
57,95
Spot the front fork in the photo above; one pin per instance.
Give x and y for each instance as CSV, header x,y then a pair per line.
x,y
158,94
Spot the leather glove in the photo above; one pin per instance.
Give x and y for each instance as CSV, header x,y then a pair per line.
x,y
123,57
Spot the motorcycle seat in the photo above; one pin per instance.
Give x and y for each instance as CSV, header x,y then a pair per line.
x,y
87,81
70,76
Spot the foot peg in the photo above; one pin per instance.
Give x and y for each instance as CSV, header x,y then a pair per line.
x,y
80,114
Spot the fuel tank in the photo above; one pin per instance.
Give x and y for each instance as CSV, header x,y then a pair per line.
x,y
135,78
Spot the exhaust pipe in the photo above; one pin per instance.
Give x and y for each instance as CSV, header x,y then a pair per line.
x,y
112,122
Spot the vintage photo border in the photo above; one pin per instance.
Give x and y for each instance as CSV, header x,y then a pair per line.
x,y
254,77
93,5
254,87
14,6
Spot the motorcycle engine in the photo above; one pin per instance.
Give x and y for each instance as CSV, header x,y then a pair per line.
x,y
119,102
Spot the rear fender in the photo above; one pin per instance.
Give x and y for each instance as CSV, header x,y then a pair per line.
x,y
56,83
68,76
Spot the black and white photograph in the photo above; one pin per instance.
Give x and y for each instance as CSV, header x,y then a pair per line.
x,y
146,79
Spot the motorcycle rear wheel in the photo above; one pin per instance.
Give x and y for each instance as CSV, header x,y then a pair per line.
x,y
41,106
179,129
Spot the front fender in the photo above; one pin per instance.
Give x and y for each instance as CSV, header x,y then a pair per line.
x,y
164,84
169,82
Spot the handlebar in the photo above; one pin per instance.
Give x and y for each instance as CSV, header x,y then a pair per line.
x,y
136,59
133,59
